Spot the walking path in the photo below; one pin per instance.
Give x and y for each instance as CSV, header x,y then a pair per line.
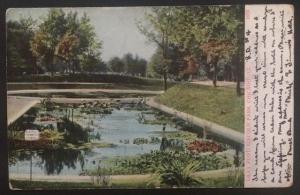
x,y
13,92
219,83
207,125
139,178
16,107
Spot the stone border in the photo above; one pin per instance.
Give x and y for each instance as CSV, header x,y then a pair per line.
x,y
207,125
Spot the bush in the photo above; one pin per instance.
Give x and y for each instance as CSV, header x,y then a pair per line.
x,y
82,77
176,173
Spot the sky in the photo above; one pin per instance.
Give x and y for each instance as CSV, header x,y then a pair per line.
x,y
114,26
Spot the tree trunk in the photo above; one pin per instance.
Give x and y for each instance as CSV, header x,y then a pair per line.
x,y
50,60
165,56
52,68
215,75
165,80
73,67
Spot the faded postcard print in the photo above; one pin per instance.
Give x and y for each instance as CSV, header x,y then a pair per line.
x,y
150,97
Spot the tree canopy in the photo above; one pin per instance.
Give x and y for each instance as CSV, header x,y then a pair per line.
x,y
134,66
62,41
204,35
19,57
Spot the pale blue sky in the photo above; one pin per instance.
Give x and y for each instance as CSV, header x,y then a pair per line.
x,y
114,26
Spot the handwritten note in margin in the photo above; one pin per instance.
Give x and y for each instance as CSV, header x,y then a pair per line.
x,y
269,95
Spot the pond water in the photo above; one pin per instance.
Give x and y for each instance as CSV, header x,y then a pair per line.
x,y
125,130
120,128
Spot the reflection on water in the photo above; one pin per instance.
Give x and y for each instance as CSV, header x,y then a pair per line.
x,y
53,161
47,161
120,127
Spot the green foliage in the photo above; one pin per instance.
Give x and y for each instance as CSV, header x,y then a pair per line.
x,y
156,65
47,104
175,173
140,140
203,35
151,162
116,65
235,178
53,135
67,47
64,38
128,64
134,65
19,57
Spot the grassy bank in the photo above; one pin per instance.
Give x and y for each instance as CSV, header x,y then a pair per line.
x,y
220,105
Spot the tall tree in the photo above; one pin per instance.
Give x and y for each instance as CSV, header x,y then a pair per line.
x,y
68,37
19,56
211,32
134,65
50,33
161,26
67,49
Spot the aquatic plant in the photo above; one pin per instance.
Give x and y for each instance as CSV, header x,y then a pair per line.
x,y
149,162
176,173
140,140
47,103
99,176
154,140
199,146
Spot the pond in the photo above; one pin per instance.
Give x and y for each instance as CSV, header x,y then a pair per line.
x,y
115,131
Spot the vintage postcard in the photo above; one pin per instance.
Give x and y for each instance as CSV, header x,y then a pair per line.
x,y
150,97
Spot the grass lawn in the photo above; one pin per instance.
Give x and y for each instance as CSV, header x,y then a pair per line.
x,y
220,105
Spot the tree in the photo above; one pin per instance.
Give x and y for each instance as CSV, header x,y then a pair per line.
x,y
46,39
89,46
92,63
19,56
211,32
67,49
66,37
134,65
216,50
155,67
225,38
116,65
159,31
